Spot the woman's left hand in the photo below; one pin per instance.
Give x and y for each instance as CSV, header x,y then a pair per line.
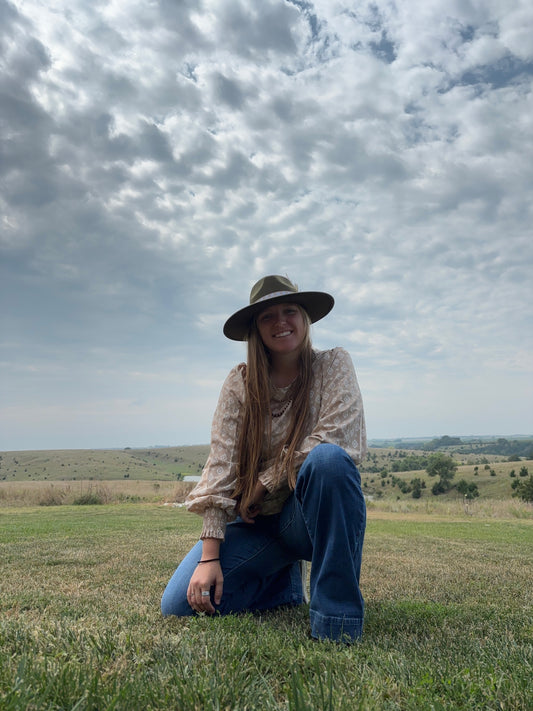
x,y
254,506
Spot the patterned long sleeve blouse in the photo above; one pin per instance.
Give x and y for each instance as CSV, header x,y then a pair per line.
x,y
336,416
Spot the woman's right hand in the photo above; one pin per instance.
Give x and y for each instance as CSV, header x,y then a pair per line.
x,y
254,505
205,577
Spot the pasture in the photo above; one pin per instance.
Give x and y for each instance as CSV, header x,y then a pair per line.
x,y
53,477
449,617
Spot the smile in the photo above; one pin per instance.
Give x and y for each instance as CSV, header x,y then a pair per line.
x,y
283,334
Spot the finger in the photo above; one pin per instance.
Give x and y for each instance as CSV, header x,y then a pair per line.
x,y
250,513
209,609
193,602
204,597
219,586
195,599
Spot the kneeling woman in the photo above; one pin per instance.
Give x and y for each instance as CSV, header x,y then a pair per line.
x,y
281,483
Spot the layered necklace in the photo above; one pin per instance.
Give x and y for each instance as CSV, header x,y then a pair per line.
x,y
289,392
284,409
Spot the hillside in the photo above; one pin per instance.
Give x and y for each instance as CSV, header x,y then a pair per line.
x,y
494,480
386,473
103,465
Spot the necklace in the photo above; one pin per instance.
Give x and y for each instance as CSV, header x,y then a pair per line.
x,y
284,409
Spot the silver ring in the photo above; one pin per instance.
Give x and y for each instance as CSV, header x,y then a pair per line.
x,y
205,593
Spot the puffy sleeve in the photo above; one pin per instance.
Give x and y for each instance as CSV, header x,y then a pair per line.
x,y
211,497
337,412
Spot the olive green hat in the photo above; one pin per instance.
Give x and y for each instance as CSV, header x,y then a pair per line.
x,y
272,290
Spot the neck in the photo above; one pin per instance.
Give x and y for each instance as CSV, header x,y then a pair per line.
x,y
284,369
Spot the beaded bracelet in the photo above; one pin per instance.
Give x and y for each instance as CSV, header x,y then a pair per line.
x,y
209,560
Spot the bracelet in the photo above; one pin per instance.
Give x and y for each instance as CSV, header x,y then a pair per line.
x,y
209,560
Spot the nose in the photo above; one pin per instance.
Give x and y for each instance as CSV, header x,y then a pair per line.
x,y
280,317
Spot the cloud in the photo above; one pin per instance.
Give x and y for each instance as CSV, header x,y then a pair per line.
x,y
156,159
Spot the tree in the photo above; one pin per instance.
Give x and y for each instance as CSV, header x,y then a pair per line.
x,y
444,467
445,441
524,489
417,486
469,491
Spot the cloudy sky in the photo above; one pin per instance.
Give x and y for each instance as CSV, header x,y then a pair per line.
x,y
156,158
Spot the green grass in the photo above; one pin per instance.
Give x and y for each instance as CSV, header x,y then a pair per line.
x,y
448,625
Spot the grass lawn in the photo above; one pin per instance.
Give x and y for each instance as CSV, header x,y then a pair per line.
x,y
448,626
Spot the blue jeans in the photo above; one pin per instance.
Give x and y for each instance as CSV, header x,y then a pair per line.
x,y
323,521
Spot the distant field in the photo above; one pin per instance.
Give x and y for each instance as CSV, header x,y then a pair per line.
x,y
163,463
107,464
151,475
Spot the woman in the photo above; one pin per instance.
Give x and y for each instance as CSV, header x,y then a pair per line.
x,y
281,483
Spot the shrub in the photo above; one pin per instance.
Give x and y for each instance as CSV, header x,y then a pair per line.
x,y
440,487
52,497
93,497
469,490
417,485
444,467
524,489
88,499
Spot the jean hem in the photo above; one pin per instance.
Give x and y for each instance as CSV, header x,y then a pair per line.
x,y
338,629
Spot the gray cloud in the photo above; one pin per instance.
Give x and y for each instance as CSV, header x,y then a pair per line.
x,y
156,159
251,29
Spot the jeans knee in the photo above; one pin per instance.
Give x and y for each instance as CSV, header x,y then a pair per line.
x,y
165,606
330,462
174,602
169,608
330,468
325,455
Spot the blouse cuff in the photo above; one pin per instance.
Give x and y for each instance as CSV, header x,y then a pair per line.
x,y
268,480
214,524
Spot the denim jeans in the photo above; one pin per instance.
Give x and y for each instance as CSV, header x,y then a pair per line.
x,y
323,521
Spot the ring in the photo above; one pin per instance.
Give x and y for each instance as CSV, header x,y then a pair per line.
x,y
205,593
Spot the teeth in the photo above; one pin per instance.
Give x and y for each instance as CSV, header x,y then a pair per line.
x,y
280,335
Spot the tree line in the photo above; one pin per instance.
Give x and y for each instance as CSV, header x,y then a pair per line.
x,y
502,446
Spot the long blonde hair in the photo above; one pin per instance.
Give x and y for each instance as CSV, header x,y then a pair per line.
x,y
256,422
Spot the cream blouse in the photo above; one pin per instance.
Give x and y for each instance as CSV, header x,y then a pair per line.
x,y
336,416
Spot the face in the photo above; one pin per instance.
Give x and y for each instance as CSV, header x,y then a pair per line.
x,y
282,328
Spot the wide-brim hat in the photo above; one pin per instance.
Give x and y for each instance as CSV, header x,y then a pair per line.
x,y
272,290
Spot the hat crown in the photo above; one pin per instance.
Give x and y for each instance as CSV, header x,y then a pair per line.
x,y
271,286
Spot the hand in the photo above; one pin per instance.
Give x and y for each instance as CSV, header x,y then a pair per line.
x,y
254,506
206,576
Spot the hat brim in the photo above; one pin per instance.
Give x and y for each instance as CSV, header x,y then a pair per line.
x,y
317,304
